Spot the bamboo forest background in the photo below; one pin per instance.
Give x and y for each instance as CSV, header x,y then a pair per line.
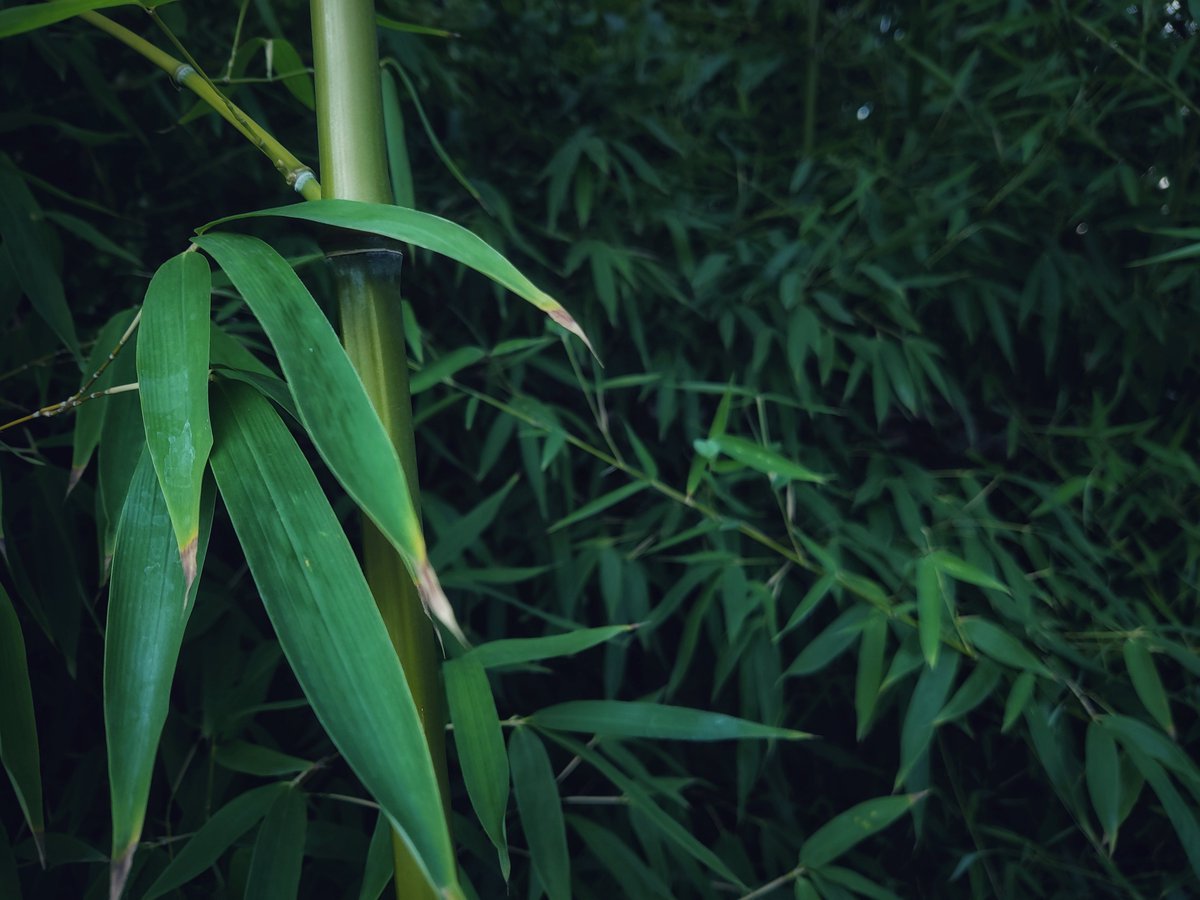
x,y
939,254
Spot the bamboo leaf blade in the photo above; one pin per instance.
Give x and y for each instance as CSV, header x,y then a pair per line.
x,y
20,19
25,236
430,232
332,402
216,835
844,831
172,369
541,812
619,718
517,651
481,753
327,621
759,458
1147,684
143,635
279,850
18,724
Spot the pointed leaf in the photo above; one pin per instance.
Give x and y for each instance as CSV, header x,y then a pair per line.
x,y
831,643
929,609
928,698
326,619
25,234
89,418
870,672
379,867
172,369
841,833
598,505
1103,774
541,812
397,145
428,231
332,401
1148,685
18,727
20,19
961,570
148,609
480,743
619,718
279,850
977,688
516,651
1022,690
1182,816
994,641
761,459
205,847
468,528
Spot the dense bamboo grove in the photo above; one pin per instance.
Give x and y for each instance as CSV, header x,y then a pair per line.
x,y
771,469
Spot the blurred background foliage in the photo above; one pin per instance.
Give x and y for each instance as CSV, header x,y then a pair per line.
x,y
941,253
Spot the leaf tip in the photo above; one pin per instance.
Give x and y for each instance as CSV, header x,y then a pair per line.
x,y
73,479
187,557
39,842
436,603
567,321
118,872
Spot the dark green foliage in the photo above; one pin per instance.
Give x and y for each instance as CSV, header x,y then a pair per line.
x,y
923,250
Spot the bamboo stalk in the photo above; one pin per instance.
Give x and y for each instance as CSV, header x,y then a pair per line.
x,y
354,166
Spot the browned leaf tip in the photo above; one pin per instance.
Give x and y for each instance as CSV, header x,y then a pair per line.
x,y
187,557
436,603
118,872
567,321
73,479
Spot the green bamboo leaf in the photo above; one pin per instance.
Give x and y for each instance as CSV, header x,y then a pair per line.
x,y
215,836
172,369
635,877
860,885
994,641
929,609
332,402
397,145
977,688
379,867
844,831
19,19
812,599
1135,734
961,570
541,812
803,889
480,743
517,651
18,726
1148,685
598,505
428,231
445,367
1102,771
89,418
1182,817
87,232
144,632
326,620
928,698
284,62
25,235
412,28
468,528
830,643
619,718
668,827
761,459
1190,251
253,759
279,850
870,672
1022,690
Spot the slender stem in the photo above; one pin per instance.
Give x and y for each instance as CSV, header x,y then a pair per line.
x,y
296,173
354,167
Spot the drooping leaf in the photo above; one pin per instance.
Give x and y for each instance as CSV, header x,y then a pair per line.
x,y
428,231
759,458
18,725
830,643
961,570
25,234
397,144
929,609
89,418
148,608
1103,774
1018,696
928,698
1001,646
327,621
480,744
1148,685
541,812
172,369
618,718
332,402
870,672
378,869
